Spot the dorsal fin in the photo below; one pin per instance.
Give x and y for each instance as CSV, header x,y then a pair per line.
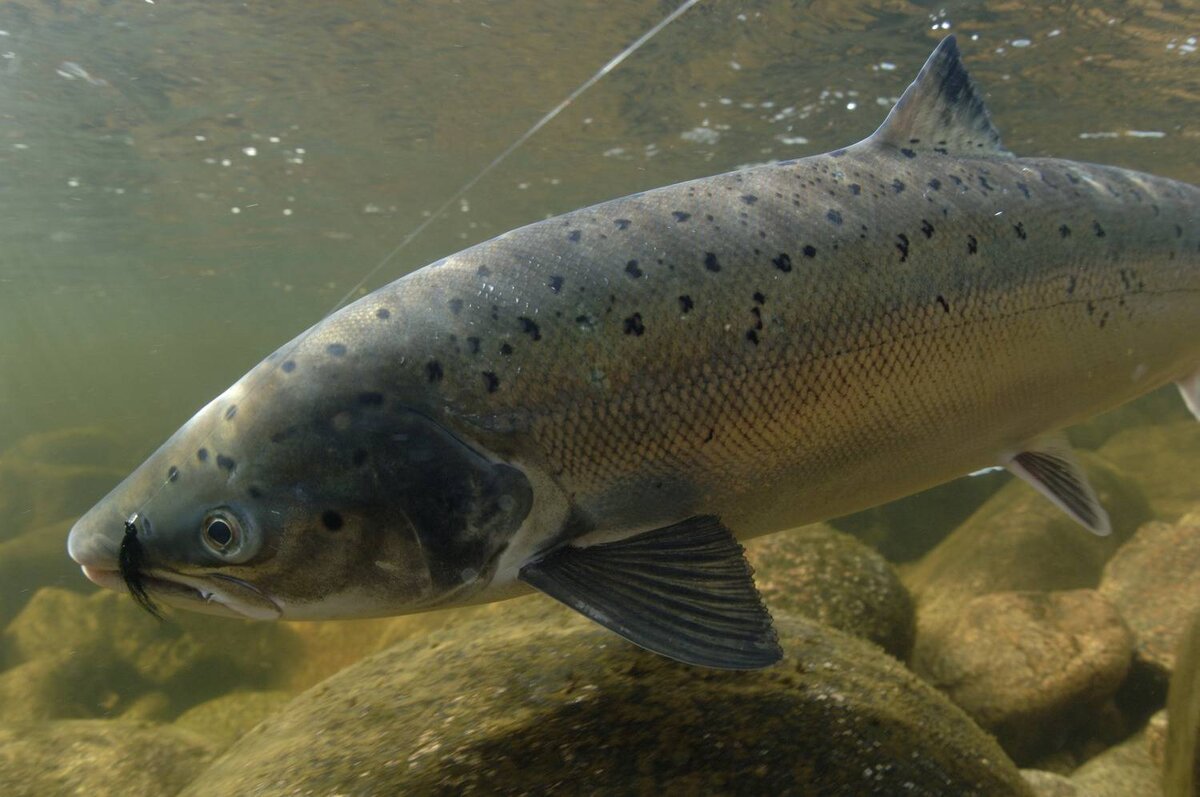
x,y
941,112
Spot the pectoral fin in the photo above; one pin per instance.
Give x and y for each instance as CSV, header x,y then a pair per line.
x,y
1050,466
684,591
1189,388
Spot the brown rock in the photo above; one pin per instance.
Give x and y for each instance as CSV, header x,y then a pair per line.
x,y
831,577
1162,461
1050,784
1029,666
98,758
1152,582
546,700
1127,770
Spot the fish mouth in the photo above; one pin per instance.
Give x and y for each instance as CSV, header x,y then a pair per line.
x,y
215,593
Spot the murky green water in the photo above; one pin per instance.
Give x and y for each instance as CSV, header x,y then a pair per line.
x,y
184,186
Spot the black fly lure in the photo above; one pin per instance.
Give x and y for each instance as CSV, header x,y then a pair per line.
x,y
129,563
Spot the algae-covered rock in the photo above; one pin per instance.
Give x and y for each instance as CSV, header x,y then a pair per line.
x,y
223,719
1129,769
546,701
99,758
1019,541
1153,582
192,657
1162,461
68,684
1029,666
829,576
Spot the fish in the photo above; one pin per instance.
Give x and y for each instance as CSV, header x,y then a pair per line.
x,y
602,406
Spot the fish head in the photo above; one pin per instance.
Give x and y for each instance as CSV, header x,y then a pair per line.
x,y
325,501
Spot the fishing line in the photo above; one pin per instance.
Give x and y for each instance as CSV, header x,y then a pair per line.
x,y
612,64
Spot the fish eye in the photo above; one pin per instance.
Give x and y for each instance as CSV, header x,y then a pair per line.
x,y
222,534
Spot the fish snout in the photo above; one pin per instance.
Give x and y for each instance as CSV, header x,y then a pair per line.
x,y
95,541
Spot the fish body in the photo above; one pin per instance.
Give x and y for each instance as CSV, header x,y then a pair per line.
x,y
769,347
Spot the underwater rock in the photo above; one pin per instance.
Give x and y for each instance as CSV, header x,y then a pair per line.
x,y
224,719
1153,583
98,758
1161,460
1129,769
829,576
66,685
1181,769
1029,666
545,700
1050,784
193,657
1019,541
1159,408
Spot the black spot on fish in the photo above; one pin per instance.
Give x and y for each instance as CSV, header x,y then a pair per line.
x,y
556,283
225,463
752,336
359,458
473,344
908,153
1178,231
634,325
837,153
490,381
331,520
288,366
172,473
1099,230
926,228
984,183
1071,285
1024,189
810,250
902,246
433,371
456,306
942,301
574,235
686,304
972,245
759,298
622,224
1064,231
232,411
855,189
680,215
1019,228
935,184
631,268
783,262
202,455
711,263
280,436
506,349
749,199
254,492
370,398
834,217
383,314
712,432
530,327
898,186
483,271
1091,308
336,349
584,321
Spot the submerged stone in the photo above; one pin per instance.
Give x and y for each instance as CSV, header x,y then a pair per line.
x,y
821,573
1029,666
545,700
